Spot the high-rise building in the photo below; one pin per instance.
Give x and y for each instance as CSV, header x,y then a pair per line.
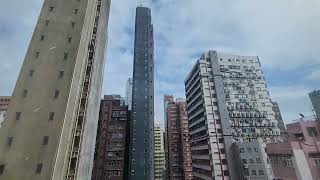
x,y
159,157
227,101
109,161
4,104
141,166
315,100
179,164
278,117
129,93
51,124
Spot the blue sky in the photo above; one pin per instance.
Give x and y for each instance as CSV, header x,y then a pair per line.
x,y
283,33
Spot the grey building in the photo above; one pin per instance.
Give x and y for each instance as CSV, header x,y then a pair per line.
x,y
251,161
50,128
228,102
278,117
141,165
128,98
315,100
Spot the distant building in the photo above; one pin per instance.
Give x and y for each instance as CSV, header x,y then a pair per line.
x,y
228,101
315,100
251,161
278,117
110,149
159,156
299,157
4,104
129,93
179,164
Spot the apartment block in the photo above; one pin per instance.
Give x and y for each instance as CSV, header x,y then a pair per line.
x,y
159,156
251,161
4,104
299,157
178,141
51,123
315,100
228,101
141,165
278,117
110,149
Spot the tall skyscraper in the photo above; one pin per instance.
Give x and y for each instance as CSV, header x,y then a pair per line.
x,y
276,109
142,119
51,124
159,158
129,93
179,165
110,151
315,100
4,103
227,101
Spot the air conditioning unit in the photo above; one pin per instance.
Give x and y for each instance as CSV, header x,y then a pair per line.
x,y
245,166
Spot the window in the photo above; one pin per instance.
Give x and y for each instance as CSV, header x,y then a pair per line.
x,y
261,172
258,160
241,150
244,161
312,131
47,22
25,93
69,39
65,56
61,73
249,150
51,8
42,38
51,116
76,11
225,172
37,54
208,59
289,162
224,161
134,140
222,151
255,149
317,161
133,161
31,72
251,161
73,24
9,141
254,172
18,114
45,140
1,168
56,94
39,168
132,172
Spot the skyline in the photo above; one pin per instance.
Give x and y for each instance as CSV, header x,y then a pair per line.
x,y
289,51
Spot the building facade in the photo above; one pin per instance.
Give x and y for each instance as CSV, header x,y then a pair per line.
x,y
159,156
141,165
4,104
50,128
227,101
299,157
315,100
179,164
278,117
110,150
129,93
251,161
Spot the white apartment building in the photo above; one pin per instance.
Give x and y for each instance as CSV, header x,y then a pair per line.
x,y
228,101
159,155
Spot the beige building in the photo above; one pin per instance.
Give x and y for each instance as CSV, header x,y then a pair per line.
x,y
50,128
159,156
4,103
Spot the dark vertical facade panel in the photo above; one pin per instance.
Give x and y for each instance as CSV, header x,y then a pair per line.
x,y
141,127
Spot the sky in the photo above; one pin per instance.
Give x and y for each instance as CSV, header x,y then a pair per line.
x,y
283,33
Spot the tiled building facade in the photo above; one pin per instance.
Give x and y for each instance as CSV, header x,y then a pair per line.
x,y
109,160
4,104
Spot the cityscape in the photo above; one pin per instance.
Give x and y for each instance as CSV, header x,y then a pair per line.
x,y
70,113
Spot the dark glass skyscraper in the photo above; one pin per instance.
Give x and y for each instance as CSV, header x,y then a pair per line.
x,y
141,125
